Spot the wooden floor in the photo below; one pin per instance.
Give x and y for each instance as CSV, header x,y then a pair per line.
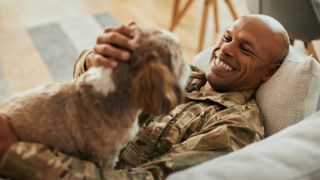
x,y
18,15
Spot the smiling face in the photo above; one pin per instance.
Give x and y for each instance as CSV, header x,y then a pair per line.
x,y
248,54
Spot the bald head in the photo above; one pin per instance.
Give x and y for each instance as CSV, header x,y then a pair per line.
x,y
273,35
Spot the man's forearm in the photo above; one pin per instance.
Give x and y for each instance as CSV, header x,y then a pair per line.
x,y
36,161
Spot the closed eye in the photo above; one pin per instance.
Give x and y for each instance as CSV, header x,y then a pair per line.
x,y
226,38
246,50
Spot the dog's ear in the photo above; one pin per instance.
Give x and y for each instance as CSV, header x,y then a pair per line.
x,y
155,87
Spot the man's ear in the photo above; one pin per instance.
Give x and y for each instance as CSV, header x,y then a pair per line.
x,y
270,71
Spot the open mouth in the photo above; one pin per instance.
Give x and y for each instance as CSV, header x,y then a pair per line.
x,y
220,64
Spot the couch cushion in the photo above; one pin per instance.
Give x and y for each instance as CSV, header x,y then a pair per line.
x,y
292,153
291,94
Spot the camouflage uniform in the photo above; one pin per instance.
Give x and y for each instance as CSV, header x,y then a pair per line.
x,y
208,125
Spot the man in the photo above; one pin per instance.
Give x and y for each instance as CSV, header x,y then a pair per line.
x,y
220,114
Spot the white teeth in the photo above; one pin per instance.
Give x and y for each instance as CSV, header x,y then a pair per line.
x,y
225,66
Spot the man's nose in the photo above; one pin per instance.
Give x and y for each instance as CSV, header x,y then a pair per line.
x,y
228,49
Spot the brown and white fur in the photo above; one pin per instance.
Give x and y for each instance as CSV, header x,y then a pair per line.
x,y
93,116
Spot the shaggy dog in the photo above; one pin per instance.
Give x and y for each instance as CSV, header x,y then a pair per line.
x,y
94,116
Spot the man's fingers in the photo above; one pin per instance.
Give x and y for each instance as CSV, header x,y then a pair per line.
x,y
99,60
110,51
125,30
106,62
116,38
114,44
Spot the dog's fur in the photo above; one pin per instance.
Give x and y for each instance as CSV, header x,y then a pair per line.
x,y
93,116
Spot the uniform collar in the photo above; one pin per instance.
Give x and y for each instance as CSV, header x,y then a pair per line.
x,y
227,99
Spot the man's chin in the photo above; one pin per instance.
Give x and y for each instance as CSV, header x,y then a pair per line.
x,y
219,88
218,84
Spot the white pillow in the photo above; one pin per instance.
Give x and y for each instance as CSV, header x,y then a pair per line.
x,y
291,94
290,154
202,60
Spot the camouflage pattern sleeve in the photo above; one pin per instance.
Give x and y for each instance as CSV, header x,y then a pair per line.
x,y
229,129
79,66
38,162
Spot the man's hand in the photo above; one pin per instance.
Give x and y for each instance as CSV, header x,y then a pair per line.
x,y
114,44
7,137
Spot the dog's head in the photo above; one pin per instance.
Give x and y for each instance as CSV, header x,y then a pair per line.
x,y
160,71
154,78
